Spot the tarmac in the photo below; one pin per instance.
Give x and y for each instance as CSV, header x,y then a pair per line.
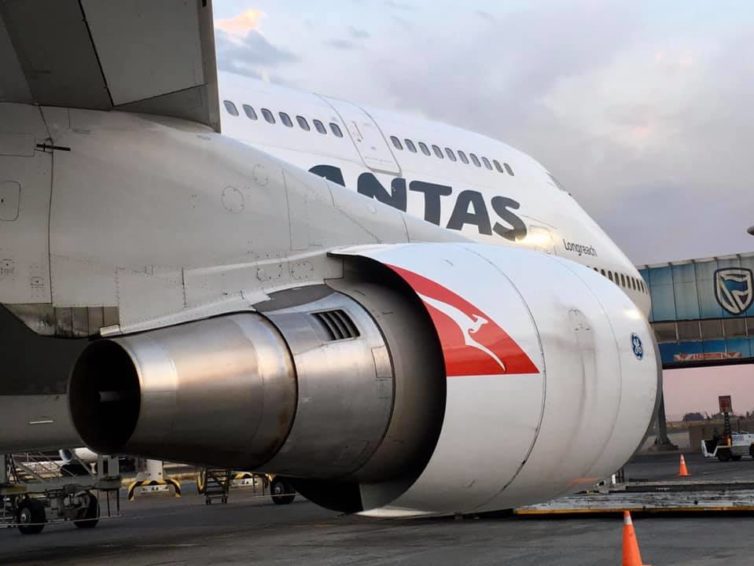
x,y
162,530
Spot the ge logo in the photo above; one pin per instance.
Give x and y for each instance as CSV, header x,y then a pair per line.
x,y
637,346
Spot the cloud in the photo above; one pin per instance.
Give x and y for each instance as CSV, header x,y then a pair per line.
x,y
248,55
341,44
397,5
240,25
357,33
485,15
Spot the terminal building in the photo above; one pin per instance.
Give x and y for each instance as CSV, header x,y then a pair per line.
x,y
703,310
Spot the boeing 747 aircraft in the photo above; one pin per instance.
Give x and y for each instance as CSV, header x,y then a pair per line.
x,y
401,317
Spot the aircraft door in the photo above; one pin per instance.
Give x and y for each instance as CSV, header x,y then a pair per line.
x,y
367,137
25,188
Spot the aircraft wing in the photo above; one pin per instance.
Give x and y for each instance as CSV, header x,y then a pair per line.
x,y
156,57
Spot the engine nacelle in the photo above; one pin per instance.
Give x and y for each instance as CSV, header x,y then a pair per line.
x,y
431,378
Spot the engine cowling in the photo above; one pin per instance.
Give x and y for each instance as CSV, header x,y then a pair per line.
x,y
431,378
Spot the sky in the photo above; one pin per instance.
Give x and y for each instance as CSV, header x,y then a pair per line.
x,y
642,109
696,390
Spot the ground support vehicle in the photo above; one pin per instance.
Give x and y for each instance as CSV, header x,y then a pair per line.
x,y
732,447
215,483
36,490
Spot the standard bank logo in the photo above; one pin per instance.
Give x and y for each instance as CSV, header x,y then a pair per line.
x,y
734,289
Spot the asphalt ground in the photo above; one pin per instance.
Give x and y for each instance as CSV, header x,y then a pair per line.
x,y
161,530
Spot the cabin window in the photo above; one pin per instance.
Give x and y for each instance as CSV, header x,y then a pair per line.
x,y
424,148
450,154
336,130
438,152
498,166
396,142
508,169
302,123
286,120
463,157
610,275
230,107
268,115
475,160
410,145
487,163
319,126
249,111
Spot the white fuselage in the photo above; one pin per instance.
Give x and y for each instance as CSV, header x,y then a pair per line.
x,y
514,201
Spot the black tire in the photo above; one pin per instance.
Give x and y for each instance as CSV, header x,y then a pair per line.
x,y
89,515
282,492
735,458
31,511
751,451
723,455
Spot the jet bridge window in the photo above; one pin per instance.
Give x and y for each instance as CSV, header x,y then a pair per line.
x,y
475,160
463,157
285,119
438,152
396,142
230,107
302,123
335,129
498,166
319,126
487,163
424,148
268,115
450,154
249,111
410,145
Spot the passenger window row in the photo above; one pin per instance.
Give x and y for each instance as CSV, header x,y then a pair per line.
x,y
285,119
451,155
623,280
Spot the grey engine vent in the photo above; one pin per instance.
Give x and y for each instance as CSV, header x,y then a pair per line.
x,y
338,324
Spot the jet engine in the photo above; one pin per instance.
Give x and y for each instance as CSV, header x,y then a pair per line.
x,y
429,379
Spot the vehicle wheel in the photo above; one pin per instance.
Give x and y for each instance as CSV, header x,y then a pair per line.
x,y
88,515
31,517
282,492
751,450
723,455
735,458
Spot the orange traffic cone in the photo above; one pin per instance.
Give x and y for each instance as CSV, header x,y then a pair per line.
x,y
683,472
631,554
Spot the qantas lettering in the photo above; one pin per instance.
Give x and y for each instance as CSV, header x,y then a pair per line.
x,y
470,207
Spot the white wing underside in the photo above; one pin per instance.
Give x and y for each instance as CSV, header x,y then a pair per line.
x,y
156,57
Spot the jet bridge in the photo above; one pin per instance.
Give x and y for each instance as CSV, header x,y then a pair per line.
x,y
703,310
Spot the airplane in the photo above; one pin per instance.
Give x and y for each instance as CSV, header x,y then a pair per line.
x,y
402,318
